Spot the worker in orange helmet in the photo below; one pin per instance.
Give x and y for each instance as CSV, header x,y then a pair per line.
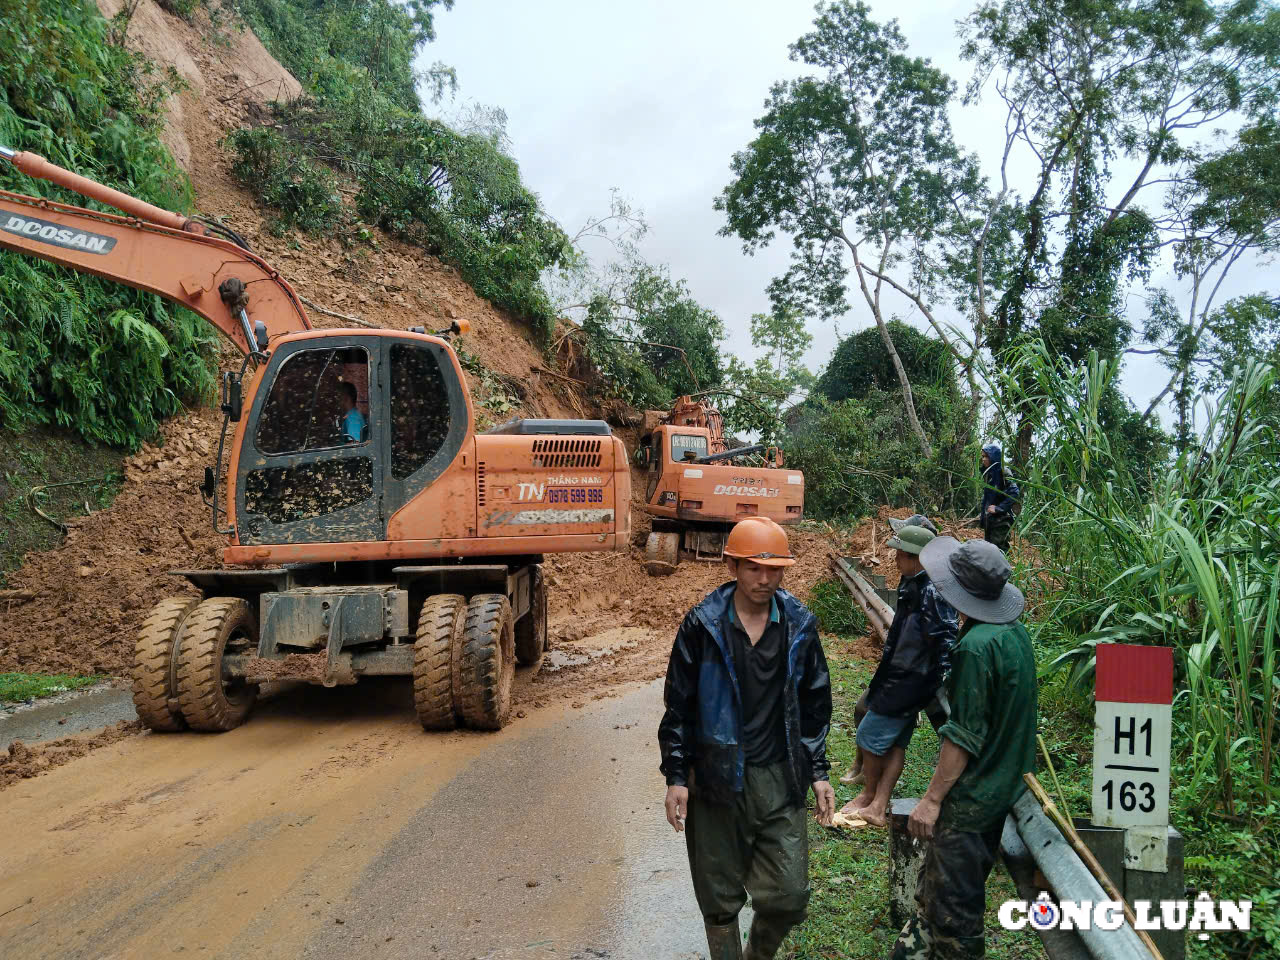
x,y
743,738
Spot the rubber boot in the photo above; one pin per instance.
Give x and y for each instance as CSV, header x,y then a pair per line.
x,y
724,941
767,934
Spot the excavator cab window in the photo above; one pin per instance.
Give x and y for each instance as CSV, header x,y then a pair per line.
x,y
420,411
319,399
315,440
684,444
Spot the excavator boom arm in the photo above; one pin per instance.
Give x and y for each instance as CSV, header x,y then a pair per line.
x,y
153,250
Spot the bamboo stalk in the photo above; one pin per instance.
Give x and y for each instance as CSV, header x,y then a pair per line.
x,y
1044,749
1069,832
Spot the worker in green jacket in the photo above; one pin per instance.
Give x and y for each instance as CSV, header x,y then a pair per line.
x,y
987,744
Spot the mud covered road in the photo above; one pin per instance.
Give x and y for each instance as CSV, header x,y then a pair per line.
x,y
331,826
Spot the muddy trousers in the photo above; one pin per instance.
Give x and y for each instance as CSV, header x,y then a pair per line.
x,y
951,897
757,845
997,530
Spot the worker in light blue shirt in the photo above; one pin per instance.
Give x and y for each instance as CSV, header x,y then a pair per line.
x,y
353,422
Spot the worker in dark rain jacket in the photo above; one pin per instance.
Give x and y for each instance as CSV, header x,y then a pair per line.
x,y
907,679
999,498
743,739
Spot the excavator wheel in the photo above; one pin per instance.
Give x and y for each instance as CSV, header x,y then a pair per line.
x,y
208,700
488,667
154,664
531,629
661,554
439,631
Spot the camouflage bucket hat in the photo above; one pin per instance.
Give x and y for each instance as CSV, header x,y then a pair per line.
x,y
915,520
910,539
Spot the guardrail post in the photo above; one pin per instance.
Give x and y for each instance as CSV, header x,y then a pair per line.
x,y
906,857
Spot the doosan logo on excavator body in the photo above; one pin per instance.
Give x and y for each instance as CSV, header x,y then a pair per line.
x,y
58,236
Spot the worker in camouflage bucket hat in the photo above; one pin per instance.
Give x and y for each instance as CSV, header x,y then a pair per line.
x,y
987,744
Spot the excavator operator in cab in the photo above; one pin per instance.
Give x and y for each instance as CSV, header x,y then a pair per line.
x,y
352,421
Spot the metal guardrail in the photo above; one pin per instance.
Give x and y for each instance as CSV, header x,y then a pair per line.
x,y
878,612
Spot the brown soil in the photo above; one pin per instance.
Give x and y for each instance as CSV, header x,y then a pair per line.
x,y
23,762
295,666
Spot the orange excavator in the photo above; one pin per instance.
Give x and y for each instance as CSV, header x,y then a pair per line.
x,y
370,529
698,488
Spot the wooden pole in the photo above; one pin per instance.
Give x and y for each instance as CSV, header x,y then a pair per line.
x,y
1069,832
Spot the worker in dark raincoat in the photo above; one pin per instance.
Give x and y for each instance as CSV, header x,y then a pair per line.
x,y
999,498
987,744
743,739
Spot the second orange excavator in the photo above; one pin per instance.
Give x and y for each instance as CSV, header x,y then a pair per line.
x,y
697,487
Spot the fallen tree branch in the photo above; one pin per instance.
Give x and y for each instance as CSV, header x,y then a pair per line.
x,y
560,375
17,595
333,313
246,89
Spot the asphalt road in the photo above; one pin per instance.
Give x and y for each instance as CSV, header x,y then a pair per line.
x,y
331,826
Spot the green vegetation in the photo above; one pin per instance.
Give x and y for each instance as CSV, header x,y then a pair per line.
x,y
829,601
848,436
75,351
457,194
1187,558
42,457
17,687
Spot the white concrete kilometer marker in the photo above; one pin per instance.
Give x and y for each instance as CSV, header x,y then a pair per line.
x,y
1134,692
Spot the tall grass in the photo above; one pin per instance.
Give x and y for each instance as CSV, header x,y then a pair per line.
x,y
1193,564
1189,558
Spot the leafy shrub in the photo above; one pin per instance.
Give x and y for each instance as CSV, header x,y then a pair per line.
x,y
455,194
378,37
858,453
837,612
100,358
861,363
305,194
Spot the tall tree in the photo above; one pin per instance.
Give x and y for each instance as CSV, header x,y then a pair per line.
x,y
857,164
1106,97
1228,208
760,393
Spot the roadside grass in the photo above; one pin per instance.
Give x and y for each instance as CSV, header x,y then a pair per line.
x,y
18,687
42,456
849,870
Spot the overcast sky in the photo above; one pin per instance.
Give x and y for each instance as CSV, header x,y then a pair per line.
x,y
653,98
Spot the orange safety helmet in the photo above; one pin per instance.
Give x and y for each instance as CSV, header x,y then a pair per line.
x,y
761,540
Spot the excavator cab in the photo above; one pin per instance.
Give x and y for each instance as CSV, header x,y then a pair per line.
x,y
301,478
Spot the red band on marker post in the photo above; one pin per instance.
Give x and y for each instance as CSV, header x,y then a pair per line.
x,y
1130,673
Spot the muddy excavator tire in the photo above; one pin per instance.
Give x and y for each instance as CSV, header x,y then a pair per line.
x,y
488,666
439,632
206,700
531,629
154,681
661,553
